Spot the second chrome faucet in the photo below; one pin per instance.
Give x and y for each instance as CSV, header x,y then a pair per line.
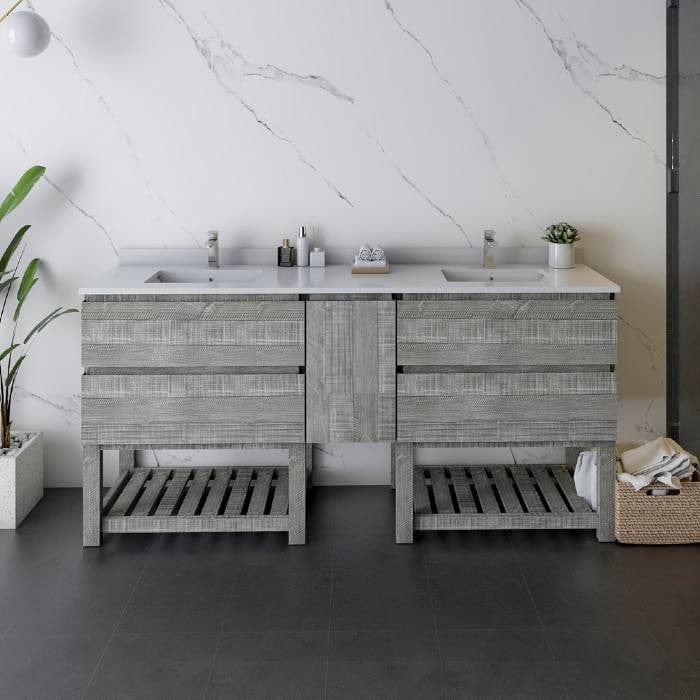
x,y
213,249
489,249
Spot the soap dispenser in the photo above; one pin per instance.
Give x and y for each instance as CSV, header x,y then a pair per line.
x,y
286,255
302,248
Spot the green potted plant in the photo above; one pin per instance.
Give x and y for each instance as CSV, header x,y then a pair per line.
x,y
21,453
561,238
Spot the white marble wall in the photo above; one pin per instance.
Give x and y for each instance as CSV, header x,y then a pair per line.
x,y
372,120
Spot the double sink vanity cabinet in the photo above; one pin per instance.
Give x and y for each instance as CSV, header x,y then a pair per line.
x,y
287,365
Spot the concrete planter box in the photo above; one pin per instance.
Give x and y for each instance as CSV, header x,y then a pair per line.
x,y
21,481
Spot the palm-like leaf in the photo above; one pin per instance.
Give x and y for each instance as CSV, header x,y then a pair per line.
x,y
21,190
29,279
11,248
13,372
45,321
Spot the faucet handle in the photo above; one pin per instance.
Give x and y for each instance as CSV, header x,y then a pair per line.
x,y
490,236
213,235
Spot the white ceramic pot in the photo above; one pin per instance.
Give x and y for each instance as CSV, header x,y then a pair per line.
x,y
21,481
561,255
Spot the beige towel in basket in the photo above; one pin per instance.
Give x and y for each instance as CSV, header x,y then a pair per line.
x,y
661,460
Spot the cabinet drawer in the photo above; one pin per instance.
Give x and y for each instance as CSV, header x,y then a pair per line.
x,y
192,409
506,406
512,332
192,334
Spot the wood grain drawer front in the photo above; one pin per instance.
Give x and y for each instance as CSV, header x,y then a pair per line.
x,y
506,406
192,409
351,371
188,334
513,332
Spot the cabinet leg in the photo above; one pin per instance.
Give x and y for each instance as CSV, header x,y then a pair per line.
x,y
404,492
309,456
297,494
92,496
393,465
606,492
127,460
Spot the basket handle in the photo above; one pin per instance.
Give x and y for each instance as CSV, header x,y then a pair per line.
x,y
662,492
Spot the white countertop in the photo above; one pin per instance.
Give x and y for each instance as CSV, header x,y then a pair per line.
x,y
337,279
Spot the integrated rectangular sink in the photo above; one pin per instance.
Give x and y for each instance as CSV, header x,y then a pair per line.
x,y
496,276
193,275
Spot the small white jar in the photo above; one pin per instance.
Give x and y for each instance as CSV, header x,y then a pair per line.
x,y
317,258
561,255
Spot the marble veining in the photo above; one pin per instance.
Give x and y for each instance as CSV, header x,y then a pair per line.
x,y
398,122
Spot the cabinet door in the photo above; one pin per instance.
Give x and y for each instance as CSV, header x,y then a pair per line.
x,y
350,371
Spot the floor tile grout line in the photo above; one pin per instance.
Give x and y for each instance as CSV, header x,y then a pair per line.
x,y
553,658
220,634
119,619
679,680
330,621
436,630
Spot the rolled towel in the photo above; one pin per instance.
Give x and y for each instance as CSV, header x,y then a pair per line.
x,y
365,253
378,254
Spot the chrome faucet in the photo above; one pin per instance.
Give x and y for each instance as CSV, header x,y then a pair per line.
x,y
489,246
213,248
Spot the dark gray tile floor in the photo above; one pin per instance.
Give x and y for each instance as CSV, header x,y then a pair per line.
x,y
350,615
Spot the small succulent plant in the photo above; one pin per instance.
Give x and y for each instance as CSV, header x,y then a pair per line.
x,y
561,233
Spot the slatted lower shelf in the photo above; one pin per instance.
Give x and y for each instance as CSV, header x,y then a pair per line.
x,y
227,499
498,497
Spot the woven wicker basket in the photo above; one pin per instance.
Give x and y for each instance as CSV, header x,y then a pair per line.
x,y
670,518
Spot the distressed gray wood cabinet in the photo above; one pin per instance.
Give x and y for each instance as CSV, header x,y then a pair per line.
x,y
284,371
350,371
193,372
496,370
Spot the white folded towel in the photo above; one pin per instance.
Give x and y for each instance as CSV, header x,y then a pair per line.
x,y
365,253
661,460
378,254
586,478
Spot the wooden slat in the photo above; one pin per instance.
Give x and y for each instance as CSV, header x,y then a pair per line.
x,y
504,485
217,491
465,498
174,386
444,384
261,490
196,523
527,490
502,432
113,493
468,354
549,490
423,409
586,308
484,490
165,355
563,477
243,409
173,492
130,493
163,308
506,521
441,491
280,501
239,490
420,492
188,433
195,492
154,487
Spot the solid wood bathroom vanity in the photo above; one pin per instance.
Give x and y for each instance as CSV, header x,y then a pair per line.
x,y
293,358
